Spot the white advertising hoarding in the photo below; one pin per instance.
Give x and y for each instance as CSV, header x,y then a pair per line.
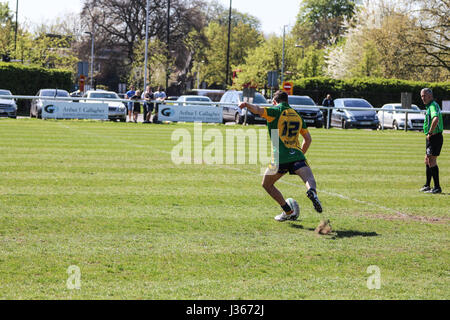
x,y
446,105
74,110
190,113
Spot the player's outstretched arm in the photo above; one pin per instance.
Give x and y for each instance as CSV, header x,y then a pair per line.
x,y
254,109
306,140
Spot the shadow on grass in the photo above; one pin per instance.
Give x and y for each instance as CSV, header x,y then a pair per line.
x,y
336,234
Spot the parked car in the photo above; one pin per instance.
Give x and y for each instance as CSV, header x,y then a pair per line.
x,y
231,111
213,94
307,108
346,118
116,110
393,117
36,104
171,100
186,100
76,94
8,106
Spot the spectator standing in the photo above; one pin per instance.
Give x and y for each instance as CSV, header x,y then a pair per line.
x,y
159,95
130,93
327,102
136,105
147,96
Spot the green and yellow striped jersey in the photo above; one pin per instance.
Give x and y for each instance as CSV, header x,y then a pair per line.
x,y
288,124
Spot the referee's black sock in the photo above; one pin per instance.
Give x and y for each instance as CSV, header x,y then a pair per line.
x,y
435,174
429,175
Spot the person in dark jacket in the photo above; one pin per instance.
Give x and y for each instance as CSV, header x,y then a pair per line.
x,y
327,102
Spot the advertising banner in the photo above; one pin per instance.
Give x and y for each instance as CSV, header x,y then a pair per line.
x,y
74,110
190,113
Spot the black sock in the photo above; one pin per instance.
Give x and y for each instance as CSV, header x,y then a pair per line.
x,y
428,176
435,174
286,208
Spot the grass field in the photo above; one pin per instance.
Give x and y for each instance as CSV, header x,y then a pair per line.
x,y
107,198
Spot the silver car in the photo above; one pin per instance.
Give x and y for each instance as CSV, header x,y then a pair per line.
x,y
231,111
8,106
392,116
353,118
36,104
185,100
116,109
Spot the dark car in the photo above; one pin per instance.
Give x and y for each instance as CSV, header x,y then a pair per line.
x,y
306,107
8,107
36,104
353,118
231,111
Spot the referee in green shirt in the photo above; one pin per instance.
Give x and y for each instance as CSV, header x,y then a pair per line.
x,y
432,127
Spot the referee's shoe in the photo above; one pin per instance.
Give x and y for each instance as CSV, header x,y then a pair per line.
x,y
425,188
434,190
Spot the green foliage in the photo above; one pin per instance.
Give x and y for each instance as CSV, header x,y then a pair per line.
x,y
320,21
370,63
311,64
5,13
24,80
260,60
102,87
377,91
156,64
6,29
391,44
52,52
298,62
244,38
216,12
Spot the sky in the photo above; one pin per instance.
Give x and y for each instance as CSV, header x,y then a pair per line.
x,y
45,11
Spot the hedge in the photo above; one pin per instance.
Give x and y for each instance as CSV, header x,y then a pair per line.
x,y
27,81
377,91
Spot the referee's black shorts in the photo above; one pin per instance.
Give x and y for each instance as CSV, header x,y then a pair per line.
x,y
434,144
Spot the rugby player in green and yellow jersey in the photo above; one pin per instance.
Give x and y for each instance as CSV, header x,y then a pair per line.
x,y
289,155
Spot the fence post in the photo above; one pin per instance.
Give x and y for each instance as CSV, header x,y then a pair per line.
x,y
328,117
406,121
406,104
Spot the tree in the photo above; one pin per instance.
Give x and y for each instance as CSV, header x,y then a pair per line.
x,y
391,43
216,12
311,64
156,64
433,21
123,22
244,38
370,63
6,34
52,51
320,22
260,60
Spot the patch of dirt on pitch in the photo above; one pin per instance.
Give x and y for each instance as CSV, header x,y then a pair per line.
x,y
403,216
324,227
